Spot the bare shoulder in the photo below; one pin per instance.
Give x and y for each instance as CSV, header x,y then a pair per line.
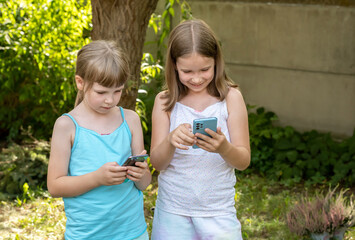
x,y
162,94
131,116
234,95
134,122
64,123
160,98
159,103
63,130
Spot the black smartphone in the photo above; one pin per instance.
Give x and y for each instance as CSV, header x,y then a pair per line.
x,y
199,126
131,161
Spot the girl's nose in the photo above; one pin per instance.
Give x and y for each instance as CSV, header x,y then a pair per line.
x,y
109,99
196,80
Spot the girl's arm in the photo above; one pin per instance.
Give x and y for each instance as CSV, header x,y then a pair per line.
x,y
236,152
161,151
58,182
140,174
164,142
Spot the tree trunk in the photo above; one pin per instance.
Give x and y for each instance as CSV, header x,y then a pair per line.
x,y
124,21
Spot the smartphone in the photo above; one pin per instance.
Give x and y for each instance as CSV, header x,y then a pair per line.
x,y
131,161
200,124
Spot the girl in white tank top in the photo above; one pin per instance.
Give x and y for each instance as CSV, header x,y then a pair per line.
x,y
196,186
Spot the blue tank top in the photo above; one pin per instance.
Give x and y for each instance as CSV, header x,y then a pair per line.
x,y
106,212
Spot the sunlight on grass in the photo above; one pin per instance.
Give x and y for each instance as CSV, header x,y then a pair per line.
x,y
261,208
42,218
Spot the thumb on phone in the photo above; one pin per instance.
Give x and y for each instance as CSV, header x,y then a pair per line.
x,y
143,152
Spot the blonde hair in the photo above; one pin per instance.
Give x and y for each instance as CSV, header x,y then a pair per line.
x,y
188,37
102,62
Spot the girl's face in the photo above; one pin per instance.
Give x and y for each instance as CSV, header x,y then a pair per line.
x,y
195,71
102,99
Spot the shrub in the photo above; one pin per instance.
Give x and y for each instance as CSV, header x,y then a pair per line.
x,y
39,40
152,78
322,214
284,154
23,164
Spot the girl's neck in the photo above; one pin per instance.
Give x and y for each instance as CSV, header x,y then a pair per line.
x,y
198,101
100,123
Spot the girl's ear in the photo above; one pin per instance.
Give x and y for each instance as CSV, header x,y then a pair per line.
x,y
79,82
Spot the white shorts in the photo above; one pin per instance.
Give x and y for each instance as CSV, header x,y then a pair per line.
x,y
168,226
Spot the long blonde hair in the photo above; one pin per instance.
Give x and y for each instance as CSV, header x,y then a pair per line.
x,y
188,37
102,62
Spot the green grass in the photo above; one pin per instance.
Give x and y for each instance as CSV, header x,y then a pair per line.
x,y
261,208
42,218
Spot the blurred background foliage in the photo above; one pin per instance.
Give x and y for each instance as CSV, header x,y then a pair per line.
x,y
39,40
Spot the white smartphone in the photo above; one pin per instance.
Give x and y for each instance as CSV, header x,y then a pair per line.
x,y
199,126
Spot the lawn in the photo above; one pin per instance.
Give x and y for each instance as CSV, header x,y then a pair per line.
x,y
261,207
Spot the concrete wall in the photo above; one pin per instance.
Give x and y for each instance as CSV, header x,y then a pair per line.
x,y
295,60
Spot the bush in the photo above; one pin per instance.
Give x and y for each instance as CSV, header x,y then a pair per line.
x,y
152,78
23,164
290,156
325,213
39,40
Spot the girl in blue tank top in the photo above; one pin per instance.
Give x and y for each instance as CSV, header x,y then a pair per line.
x,y
102,198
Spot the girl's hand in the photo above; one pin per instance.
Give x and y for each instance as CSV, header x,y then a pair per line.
x,y
111,174
182,137
135,173
215,143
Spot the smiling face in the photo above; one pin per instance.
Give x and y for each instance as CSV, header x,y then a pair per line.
x,y
195,71
102,99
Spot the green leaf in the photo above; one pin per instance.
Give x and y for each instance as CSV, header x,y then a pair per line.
x,y
292,155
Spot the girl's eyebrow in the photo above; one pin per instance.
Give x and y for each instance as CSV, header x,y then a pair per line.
x,y
188,69
107,89
119,88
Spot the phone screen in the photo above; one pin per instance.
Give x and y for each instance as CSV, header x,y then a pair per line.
x,y
199,126
131,161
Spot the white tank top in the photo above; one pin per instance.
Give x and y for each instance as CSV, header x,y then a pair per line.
x,y
197,183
